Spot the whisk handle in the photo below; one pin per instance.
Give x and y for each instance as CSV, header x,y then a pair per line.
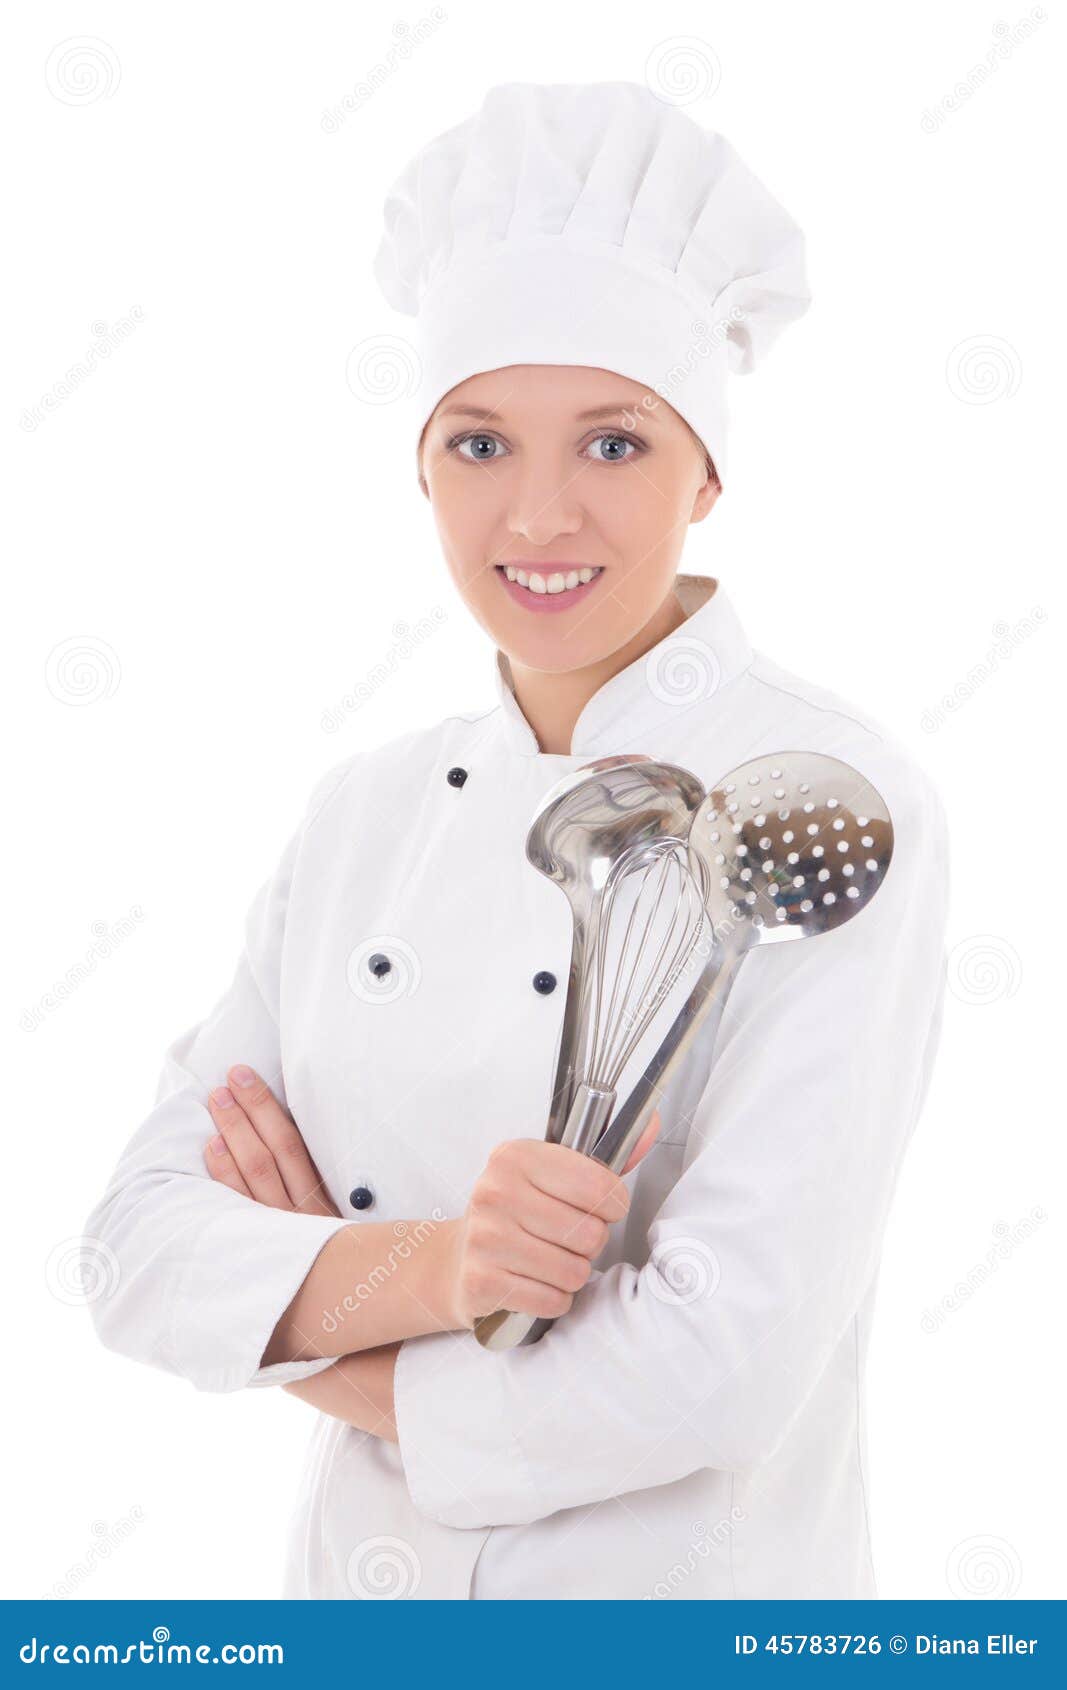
x,y
504,1330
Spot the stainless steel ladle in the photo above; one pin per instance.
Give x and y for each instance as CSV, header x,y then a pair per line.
x,y
578,830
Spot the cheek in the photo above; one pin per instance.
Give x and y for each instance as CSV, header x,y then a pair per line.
x,y
637,506
463,530
465,557
648,511
638,594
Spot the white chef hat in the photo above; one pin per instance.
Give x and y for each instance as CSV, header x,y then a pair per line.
x,y
571,223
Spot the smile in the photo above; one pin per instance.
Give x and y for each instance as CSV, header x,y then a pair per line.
x,y
552,590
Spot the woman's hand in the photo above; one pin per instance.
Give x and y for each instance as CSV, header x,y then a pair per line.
x,y
537,1217
258,1149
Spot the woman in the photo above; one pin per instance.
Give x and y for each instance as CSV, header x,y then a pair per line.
x,y
586,265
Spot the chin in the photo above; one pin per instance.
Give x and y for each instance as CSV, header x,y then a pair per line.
x,y
554,654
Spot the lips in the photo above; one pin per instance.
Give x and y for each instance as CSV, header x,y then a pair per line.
x,y
550,603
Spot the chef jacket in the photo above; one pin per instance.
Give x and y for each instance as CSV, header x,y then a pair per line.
x,y
707,1442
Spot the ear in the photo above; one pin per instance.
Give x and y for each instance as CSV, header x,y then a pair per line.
x,y
423,485
707,495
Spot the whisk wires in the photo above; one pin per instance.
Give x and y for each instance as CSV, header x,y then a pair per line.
x,y
650,918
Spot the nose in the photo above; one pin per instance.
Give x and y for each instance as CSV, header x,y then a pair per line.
x,y
545,501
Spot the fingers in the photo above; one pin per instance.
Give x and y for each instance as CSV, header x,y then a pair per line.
x,y
567,1174
501,1244
221,1165
530,1296
560,1223
537,1216
278,1132
252,1158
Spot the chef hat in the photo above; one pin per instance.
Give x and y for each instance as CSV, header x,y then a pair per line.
x,y
590,224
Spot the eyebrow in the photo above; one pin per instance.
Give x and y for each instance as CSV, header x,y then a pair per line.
x,y
583,416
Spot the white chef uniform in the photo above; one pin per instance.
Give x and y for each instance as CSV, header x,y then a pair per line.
x,y
709,1444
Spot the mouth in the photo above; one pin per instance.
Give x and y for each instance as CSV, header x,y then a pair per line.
x,y
548,590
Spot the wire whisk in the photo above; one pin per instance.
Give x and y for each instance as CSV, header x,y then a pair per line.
x,y
651,914
647,923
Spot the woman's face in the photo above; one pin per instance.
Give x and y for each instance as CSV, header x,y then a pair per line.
x,y
549,472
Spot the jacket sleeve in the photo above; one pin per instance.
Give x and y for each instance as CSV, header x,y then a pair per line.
x,y
181,1272
758,1258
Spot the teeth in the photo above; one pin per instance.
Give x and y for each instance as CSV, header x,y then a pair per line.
x,y
554,583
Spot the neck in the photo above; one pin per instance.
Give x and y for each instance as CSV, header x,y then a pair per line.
x,y
552,703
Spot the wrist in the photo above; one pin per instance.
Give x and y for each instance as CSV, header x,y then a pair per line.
x,y
441,1279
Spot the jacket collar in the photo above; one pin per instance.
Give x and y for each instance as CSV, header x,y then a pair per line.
x,y
683,672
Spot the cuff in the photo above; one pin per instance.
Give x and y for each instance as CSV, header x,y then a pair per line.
x,y
285,1372
243,1271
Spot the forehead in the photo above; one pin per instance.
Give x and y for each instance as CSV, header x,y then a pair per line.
x,y
548,392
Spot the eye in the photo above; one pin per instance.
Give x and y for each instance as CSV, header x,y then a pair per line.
x,y
479,441
614,441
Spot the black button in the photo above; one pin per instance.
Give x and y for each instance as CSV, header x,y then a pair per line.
x,y
456,777
379,964
544,982
362,1197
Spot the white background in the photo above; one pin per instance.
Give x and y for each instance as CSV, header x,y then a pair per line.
x,y
230,539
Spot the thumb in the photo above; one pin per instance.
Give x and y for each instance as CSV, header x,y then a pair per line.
x,y
644,1143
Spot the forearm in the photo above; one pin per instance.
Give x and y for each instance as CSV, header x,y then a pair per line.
x,y
368,1286
357,1389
